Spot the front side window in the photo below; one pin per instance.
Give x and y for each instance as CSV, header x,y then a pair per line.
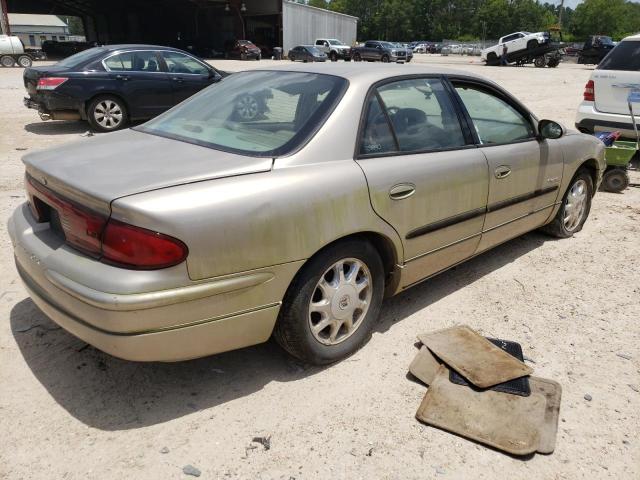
x,y
180,63
421,117
495,120
262,113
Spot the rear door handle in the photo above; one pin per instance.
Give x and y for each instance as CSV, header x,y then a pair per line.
x,y
402,191
177,79
503,171
123,77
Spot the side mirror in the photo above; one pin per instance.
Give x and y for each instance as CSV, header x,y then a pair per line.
x,y
550,129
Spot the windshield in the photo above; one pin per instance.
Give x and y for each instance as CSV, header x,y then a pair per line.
x,y
313,50
259,113
606,40
335,42
80,57
387,45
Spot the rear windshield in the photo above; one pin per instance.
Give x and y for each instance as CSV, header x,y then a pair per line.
x,y
259,113
80,57
625,56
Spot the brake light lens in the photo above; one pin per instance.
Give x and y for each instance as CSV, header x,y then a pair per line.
x,y
50,83
134,247
590,91
100,237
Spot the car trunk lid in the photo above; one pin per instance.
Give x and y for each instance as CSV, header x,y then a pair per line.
x,y
94,172
31,76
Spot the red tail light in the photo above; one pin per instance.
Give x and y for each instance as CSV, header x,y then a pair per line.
x,y
50,83
135,247
590,91
108,240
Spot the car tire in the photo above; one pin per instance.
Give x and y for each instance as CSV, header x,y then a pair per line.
x,y
107,113
25,61
243,56
259,57
492,59
335,341
357,57
575,207
615,180
385,59
531,44
7,61
540,62
333,56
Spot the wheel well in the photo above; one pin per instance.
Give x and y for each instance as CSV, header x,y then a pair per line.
x,y
106,94
591,166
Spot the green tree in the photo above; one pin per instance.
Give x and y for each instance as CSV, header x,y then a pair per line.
x,y
318,3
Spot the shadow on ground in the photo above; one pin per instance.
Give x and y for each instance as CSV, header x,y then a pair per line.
x,y
57,127
111,394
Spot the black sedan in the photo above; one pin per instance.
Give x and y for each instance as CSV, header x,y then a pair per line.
x,y
306,53
112,85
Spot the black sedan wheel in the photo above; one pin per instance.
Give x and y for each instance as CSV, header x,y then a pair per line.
x,y
107,113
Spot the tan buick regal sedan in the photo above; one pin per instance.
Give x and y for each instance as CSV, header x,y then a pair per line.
x,y
288,202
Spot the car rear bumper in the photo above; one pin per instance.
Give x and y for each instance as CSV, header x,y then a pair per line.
x,y
192,319
590,120
50,103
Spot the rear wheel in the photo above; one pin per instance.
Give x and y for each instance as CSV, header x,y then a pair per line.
x,y
540,62
7,61
575,207
615,180
492,59
333,56
357,57
24,61
107,113
331,306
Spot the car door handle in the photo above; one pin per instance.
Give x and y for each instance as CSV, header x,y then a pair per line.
x,y
402,191
177,79
123,77
503,171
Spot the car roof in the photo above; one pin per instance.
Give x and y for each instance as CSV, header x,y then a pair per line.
x,y
371,72
137,46
632,38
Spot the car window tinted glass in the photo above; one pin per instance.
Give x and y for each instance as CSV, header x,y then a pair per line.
x,y
625,56
122,62
144,61
494,119
376,135
259,113
180,63
81,57
422,115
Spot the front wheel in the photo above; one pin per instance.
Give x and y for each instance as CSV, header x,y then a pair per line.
x,y
333,56
385,59
575,207
24,61
107,113
332,304
357,57
532,44
540,62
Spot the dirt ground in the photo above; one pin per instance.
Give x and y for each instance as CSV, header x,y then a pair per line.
x,y
69,411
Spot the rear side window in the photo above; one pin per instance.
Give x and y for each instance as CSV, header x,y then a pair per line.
x,y
141,61
625,56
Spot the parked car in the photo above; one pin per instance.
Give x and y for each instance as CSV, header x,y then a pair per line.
x,y
420,48
306,53
12,52
242,50
604,106
196,233
113,85
516,42
409,51
595,48
375,50
334,49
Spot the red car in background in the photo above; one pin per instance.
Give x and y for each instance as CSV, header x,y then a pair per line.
x,y
242,49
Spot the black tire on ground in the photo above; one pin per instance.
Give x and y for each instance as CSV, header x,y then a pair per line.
x,y
259,57
553,63
25,61
347,59
116,105
531,44
615,180
333,56
492,59
385,59
357,57
540,62
7,61
557,227
243,56
293,330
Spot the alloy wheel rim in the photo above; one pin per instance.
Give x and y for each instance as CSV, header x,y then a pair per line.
x,y
24,62
247,108
108,114
340,301
575,205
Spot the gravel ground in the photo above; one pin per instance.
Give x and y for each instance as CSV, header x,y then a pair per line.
x,y
70,411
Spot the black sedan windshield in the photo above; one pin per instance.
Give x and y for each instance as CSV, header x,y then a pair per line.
x,y
260,113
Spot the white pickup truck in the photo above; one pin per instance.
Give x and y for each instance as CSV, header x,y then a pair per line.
x,y
12,52
518,42
334,49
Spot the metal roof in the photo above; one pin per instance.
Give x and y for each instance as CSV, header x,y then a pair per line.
x,y
35,20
